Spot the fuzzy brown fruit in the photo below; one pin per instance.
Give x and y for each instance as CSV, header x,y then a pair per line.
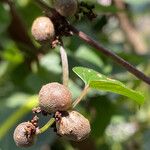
x,y
66,7
43,29
73,126
24,134
54,97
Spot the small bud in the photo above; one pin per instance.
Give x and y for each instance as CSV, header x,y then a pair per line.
x,y
43,29
66,7
73,126
24,134
54,97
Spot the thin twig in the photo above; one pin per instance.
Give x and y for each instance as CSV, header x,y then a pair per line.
x,y
46,126
83,93
105,51
113,56
65,69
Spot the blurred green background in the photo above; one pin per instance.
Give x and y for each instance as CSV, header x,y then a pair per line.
x,y
117,123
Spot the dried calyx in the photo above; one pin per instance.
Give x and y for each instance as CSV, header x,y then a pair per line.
x,y
72,125
54,97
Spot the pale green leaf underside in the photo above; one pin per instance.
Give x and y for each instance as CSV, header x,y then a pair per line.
x,y
98,81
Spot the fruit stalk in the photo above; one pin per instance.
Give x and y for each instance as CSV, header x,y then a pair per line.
x,y
65,69
46,126
83,93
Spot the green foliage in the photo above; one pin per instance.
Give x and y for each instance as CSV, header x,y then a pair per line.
x,y
98,81
111,116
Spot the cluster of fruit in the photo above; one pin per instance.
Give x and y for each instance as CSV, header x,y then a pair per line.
x,y
54,98
51,28
45,29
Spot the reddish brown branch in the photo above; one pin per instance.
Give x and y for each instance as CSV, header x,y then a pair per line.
x,y
105,51
112,55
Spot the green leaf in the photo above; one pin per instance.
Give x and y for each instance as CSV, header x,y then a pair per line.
x,y
98,81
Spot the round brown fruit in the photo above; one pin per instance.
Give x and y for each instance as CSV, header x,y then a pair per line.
x,y
54,97
66,7
24,134
43,29
73,126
